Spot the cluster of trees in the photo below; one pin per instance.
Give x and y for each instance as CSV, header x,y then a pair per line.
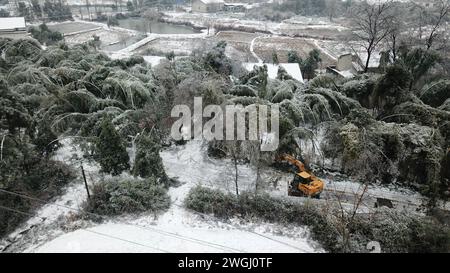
x,y
53,10
26,141
119,110
4,12
287,9
44,35
307,66
48,94
116,109
386,25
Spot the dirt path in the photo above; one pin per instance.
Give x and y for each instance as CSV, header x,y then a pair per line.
x,y
252,44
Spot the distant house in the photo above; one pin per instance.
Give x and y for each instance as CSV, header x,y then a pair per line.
x,y
13,27
235,7
349,65
207,5
292,69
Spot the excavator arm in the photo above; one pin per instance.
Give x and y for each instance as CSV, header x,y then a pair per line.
x,y
311,186
294,161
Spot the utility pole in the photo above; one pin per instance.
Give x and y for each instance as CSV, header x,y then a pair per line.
x,y
85,182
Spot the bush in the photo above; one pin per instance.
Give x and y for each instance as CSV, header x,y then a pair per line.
x,y
110,150
43,180
148,161
117,196
435,94
44,35
263,207
396,231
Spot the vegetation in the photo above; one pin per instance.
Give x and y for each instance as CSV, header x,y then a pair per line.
x,y
110,150
386,127
44,35
395,231
121,195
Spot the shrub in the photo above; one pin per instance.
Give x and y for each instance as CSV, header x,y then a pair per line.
x,y
148,161
396,231
44,35
43,180
262,207
206,200
116,196
110,150
436,93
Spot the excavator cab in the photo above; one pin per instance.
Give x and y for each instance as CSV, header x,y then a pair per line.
x,y
303,178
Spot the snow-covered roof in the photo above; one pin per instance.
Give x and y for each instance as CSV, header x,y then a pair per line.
x,y
8,23
212,1
293,69
153,60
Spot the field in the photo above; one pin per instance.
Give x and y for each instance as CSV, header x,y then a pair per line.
x,y
71,27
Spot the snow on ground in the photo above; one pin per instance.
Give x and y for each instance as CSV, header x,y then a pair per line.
x,y
177,230
132,238
297,26
182,230
74,194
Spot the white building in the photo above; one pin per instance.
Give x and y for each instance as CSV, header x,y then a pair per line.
x,y
13,27
207,5
293,69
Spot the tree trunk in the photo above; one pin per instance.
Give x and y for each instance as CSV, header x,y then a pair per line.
x,y
258,177
366,68
394,48
236,175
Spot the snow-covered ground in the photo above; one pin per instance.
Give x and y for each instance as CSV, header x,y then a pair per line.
x,y
177,230
298,25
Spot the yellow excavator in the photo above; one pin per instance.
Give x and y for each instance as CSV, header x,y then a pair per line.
x,y
304,182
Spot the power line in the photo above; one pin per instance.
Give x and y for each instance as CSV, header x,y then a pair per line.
x,y
166,233
235,226
17,211
125,240
90,231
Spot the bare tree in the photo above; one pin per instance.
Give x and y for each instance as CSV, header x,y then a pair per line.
x,y
151,15
88,10
372,24
345,207
331,9
233,149
397,28
438,18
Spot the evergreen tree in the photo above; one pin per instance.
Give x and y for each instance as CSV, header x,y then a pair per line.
x,y
310,65
275,57
36,7
148,161
110,150
293,57
130,6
